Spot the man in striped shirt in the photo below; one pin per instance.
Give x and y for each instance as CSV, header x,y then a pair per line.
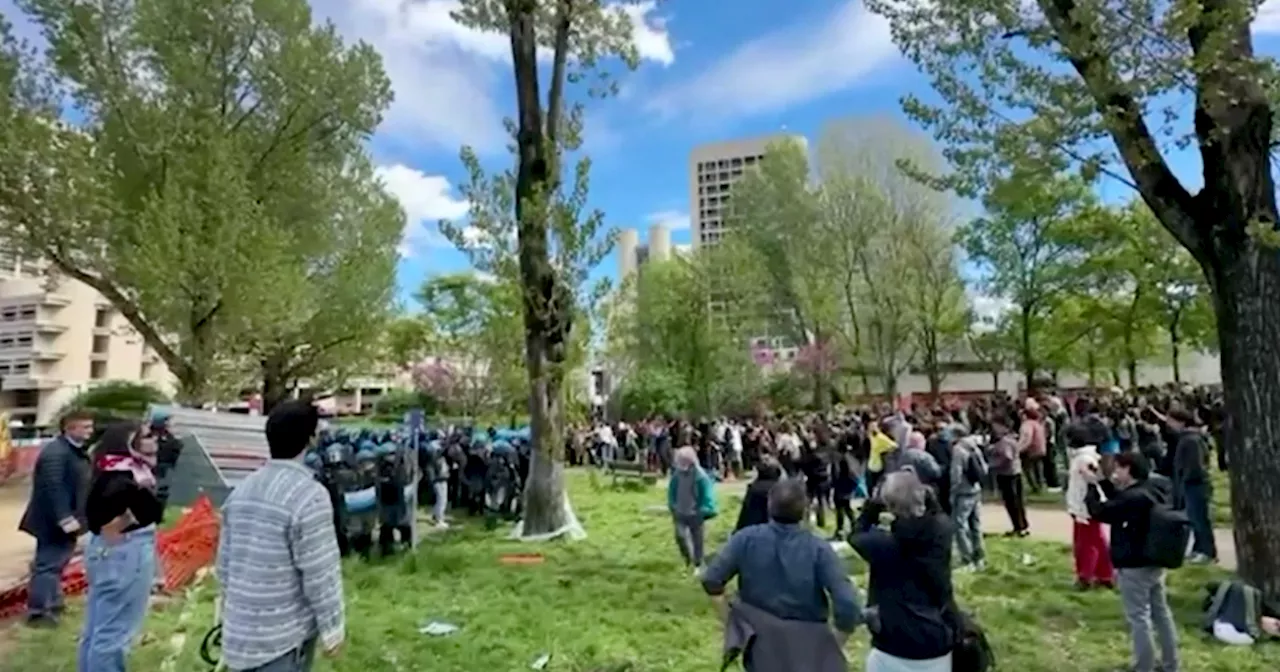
x,y
278,558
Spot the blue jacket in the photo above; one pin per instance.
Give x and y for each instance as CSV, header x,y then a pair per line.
x,y
59,488
705,491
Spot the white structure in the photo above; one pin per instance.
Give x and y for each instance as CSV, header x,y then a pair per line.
x,y
59,336
632,254
713,169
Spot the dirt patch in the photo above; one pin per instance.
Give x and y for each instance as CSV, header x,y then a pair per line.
x,y
15,547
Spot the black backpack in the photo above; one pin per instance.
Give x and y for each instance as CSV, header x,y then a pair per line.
x,y
972,652
973,472
1168,533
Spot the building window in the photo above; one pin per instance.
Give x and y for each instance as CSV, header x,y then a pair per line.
x,y
9,314
24,340
144,372
26,398
27,313
97,370
21,368
102,319
101,344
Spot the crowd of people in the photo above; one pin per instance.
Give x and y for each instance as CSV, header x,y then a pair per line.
x,y
1139,464
905,485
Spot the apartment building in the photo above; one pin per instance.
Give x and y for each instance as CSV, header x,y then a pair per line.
x,y
713,169
58,337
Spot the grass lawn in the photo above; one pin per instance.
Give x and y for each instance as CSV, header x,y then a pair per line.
x,y
618,601
1221,499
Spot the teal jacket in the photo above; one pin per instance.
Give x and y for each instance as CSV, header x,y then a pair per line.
x,y
706,494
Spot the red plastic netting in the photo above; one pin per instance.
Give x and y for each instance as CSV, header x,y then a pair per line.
x,y
182,550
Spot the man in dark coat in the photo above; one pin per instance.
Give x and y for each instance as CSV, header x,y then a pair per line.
x,y
55,514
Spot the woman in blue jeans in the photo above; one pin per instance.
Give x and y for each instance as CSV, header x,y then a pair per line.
x,y
120,559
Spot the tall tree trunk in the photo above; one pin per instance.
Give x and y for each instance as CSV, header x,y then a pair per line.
x,y
547,304
995,380
1028,362
1246,293
1175,345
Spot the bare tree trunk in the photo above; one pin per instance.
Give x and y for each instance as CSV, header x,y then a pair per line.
x,y
1175,346
275,383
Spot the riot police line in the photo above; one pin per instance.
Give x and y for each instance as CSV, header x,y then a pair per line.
x,y
371,476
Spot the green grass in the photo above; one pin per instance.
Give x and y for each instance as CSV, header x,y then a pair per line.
x,y
618,601
1221,499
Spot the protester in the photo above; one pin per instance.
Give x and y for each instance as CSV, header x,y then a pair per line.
x,y
789,580
755,502
691,499
438,472
1006,464
912,614
844,485
1236,613
278,561
55,514
1125,502
967,473
168,450
1193,487
1033,445
1088,545
120,559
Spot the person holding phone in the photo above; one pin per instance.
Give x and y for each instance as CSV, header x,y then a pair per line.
x,y
120,557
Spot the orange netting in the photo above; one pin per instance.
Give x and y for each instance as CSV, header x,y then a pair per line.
x,y
181,551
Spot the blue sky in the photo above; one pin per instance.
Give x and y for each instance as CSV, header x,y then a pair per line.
x,y
711,71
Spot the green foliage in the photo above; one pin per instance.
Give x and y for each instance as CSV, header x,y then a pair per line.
x,y
668,343
220,156
395,403
653,392
478,331
117,398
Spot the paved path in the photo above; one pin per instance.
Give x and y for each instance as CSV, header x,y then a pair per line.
x,y
1048,525
15,547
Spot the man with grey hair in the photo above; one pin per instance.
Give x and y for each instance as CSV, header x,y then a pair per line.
x,y
789,579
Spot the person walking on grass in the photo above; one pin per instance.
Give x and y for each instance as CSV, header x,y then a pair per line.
x,y
55,514
123,507
691,499
1126,502
278,561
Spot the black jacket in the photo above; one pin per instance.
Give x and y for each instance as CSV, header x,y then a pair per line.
x,y
911,587
59,486
115,492
755,504
1128,512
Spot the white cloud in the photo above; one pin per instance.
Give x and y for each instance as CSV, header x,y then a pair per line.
x,y
674,220
1267,22
796,64
445,75
426,200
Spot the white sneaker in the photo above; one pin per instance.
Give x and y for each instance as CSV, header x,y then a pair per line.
x,y
966,569
697,571
980,565
441,525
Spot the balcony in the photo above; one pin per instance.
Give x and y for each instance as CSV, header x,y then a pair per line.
x,y
44,326
46,354
16,382
98,356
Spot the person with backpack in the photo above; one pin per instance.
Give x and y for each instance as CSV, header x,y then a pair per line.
x,y
1146,539
968,469
1192,485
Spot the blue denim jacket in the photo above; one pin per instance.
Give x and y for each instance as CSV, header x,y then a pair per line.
x,y
787,571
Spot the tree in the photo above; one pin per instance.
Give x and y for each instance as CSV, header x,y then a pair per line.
x,y
332,299
937,300
993,344
877,221
1129,57
662,329
556,246
477,326
1027,246
774,215
408,338
191,175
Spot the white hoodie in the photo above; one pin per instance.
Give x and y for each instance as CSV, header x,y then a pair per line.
x,y
1083,459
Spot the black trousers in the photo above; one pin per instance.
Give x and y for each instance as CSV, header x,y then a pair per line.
x,y
1014,502
844,512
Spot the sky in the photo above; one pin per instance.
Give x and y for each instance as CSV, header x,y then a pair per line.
x,y
707,74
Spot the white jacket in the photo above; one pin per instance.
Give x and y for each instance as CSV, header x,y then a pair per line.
x,y
1082,460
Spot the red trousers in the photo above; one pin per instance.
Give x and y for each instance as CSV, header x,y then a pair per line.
x,y
1093,557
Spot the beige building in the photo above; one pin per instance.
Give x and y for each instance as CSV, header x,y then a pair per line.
x,y
632,254
713,168
58,337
